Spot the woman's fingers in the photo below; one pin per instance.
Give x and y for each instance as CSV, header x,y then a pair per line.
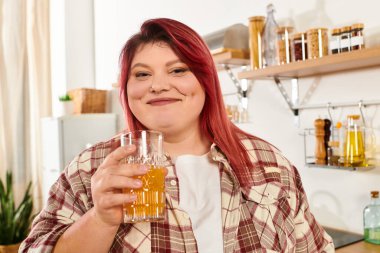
x,y
118,154
111,182
115,199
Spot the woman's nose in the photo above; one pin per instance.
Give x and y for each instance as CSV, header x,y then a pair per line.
x,y
160,83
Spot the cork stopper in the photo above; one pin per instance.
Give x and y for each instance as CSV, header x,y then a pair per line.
x,y
375,194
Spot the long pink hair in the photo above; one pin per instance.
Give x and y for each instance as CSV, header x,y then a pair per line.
x,y
193,51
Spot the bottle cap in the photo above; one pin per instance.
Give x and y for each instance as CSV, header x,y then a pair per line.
x,y
345,29
357,26
333,144
256,18
353,116
335,31
374,194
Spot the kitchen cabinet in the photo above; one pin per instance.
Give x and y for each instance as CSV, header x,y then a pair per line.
x,y
65,137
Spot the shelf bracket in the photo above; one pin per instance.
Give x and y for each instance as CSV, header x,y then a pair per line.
x,y
241,86
233,78
294,99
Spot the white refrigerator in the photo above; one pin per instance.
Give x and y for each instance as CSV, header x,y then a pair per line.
x,y
65,137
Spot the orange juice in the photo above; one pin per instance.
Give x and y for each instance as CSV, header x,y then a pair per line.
x,y
150,202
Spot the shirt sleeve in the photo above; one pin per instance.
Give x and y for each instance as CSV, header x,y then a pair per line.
x,y
310,235
69,199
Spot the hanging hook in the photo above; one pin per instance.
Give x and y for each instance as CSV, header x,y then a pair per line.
x,y
361,105
329,111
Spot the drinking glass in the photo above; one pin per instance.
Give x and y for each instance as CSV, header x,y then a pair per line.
x,y
150,202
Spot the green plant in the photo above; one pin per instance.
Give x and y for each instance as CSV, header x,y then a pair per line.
x,y
64,98
14,222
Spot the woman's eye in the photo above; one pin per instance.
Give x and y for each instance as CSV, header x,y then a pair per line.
x,y
142,75
179,71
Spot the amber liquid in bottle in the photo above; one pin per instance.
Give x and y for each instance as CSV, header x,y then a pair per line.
x,y
354,149
150,202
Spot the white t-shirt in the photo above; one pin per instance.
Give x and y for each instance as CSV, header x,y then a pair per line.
x,y
200,197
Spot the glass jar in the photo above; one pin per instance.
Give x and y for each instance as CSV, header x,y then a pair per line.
x,y
345,39
256,26
283,44
299,47
353,150
333,153
335,41
317,43
357,37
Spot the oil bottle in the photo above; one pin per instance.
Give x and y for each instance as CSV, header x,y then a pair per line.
x,y
353,152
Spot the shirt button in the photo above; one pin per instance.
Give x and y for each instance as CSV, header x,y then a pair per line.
x,y
173,182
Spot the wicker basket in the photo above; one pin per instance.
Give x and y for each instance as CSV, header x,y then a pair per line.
x,y
88,100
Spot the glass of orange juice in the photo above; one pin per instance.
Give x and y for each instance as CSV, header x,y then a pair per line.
x,y
150,202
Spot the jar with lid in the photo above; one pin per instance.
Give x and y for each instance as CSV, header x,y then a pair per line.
x,y
345,39
317,43
357,37
333,153
283,44
353,150
335,41
299,47
256,26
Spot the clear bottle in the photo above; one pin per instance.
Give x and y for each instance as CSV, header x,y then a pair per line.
x,y
269,38
371,219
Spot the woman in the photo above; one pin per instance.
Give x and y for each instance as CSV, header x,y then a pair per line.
x,y
227,191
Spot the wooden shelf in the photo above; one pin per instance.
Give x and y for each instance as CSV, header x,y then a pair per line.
x,y
353,60
234,58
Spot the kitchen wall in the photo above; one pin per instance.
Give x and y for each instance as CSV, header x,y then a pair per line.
x,y
337,198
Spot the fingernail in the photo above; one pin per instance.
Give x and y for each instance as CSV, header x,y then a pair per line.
x,y
132,197
137,183
143,168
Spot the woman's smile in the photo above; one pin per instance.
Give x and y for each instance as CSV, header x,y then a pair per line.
x,y
162,101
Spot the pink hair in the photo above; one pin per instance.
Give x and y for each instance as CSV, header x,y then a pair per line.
x,y
193,51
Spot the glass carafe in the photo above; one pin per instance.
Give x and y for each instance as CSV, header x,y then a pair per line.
x,y
353,149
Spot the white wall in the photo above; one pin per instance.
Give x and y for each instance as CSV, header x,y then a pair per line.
x,y
72,46
337,198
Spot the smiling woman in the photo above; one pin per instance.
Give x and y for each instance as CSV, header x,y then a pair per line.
x,y
226,190
161,89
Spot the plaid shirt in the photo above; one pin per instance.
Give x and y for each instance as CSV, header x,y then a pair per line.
x,y
272,215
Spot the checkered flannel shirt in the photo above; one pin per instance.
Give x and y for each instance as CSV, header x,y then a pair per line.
x,y
271,215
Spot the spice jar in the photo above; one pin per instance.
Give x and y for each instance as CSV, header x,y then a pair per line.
x,y
335,41
283,44
357,38
299,47
345,39
256,26
317,43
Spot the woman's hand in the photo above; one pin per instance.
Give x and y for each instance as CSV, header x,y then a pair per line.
x,y
107,184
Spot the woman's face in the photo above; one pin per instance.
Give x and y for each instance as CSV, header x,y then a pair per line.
x,y
163,93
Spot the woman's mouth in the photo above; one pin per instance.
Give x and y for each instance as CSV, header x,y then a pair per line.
x,y
162,101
